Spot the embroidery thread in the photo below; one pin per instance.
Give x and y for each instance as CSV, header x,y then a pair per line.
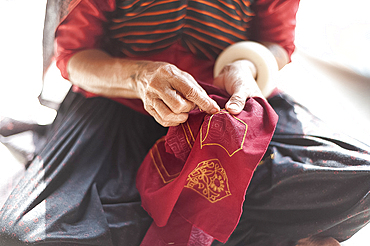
x,y
158,163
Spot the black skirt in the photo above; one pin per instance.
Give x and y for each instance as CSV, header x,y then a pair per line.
x,y
80,188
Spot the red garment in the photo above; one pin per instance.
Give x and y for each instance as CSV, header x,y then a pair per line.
x,y
85,26
193,181
274,21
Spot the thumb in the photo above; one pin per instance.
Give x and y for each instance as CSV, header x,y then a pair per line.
x,y
237,101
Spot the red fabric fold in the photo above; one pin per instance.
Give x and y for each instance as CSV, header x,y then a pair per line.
x,y
199,172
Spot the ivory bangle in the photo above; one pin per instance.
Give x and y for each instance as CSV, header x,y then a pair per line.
x,y
259,55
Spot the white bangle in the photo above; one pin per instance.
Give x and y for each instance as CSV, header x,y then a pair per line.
x,y
259,55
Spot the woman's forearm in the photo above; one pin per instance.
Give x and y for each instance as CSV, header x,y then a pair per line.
x,y
100,73
168,93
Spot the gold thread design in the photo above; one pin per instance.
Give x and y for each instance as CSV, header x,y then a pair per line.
x,y
186,130
209,179
186,136
191,133
202,140
165,176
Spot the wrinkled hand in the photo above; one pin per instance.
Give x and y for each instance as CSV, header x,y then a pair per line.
x,y
169,94
237,79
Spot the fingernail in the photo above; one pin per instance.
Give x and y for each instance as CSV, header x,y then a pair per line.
x,y
233,106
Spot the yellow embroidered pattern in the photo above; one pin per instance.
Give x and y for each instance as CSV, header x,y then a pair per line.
x,y
158,163
187,131
229,150
209,179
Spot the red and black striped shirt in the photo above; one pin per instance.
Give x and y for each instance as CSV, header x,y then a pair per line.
x,y
204,26
139,28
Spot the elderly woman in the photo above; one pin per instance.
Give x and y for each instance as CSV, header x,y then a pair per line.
x,y
140,66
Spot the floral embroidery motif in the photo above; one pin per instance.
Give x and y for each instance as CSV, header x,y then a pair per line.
x,y
209,179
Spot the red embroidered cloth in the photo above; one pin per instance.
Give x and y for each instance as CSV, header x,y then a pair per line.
x,y
193,181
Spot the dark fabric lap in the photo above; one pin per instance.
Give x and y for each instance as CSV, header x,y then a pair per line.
x,y
312,181
81,186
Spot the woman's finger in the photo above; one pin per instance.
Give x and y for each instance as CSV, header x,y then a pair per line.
x,y
175,101
179,90
164,116
194,93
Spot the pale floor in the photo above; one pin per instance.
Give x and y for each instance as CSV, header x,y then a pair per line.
x,y
335,95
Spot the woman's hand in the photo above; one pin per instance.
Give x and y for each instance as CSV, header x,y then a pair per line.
x,y
169,94
238,79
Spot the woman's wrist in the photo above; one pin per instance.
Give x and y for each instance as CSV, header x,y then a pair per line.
x,y
264,61
251,66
